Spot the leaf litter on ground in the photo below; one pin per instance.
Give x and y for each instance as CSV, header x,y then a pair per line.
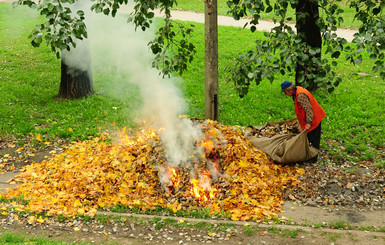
x,y
99,174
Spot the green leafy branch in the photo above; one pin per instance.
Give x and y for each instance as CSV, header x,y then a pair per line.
x,y
172,54
370,35
285,52
61,25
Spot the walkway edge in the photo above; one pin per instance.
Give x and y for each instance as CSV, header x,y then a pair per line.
x,y
242,223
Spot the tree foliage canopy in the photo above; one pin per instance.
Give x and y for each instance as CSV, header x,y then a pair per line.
x,y
280,52
171,46
283,49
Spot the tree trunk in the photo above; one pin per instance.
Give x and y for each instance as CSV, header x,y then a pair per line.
x,y
76,76
307,13
211,60
74,83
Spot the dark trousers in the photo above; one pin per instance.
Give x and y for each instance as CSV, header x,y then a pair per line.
x,y
314,138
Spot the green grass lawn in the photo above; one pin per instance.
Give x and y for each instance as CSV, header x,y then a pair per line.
x,y
30,78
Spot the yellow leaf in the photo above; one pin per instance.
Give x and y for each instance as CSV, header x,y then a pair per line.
x,y
142,185
76,229
38,137
174,206
70,129
243,164
81,211
4,213
40,220
31,220
92,212
301,171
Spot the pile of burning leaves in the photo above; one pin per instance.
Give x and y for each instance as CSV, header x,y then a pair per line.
x,y
231,177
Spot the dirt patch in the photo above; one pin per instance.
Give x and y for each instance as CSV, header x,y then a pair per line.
x,y
324,216
17,153
156,230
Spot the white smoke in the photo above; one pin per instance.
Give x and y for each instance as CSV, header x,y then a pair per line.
x,y
78,59
116,46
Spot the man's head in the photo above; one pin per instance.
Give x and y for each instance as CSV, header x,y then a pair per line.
x,y
287,87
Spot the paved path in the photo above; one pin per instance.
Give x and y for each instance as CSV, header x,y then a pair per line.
x,y
226,21
229,21
4,180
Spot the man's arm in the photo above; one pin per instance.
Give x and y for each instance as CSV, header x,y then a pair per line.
x,y
303,100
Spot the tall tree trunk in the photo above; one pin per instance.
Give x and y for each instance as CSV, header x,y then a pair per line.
x,y
307,13
211,60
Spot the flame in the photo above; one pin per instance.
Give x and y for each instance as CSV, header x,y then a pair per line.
x,y
174,177
209,145
142,136
201,188
212,156
198,191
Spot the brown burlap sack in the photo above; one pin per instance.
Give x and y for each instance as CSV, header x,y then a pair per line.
x,y
286,148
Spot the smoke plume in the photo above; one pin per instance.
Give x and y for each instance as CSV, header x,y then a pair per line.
x,y
116,46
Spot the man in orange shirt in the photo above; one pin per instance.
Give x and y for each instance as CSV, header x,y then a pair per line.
x,y
309,112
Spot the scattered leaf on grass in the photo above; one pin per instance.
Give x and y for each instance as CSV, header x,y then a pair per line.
x,y
38,137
